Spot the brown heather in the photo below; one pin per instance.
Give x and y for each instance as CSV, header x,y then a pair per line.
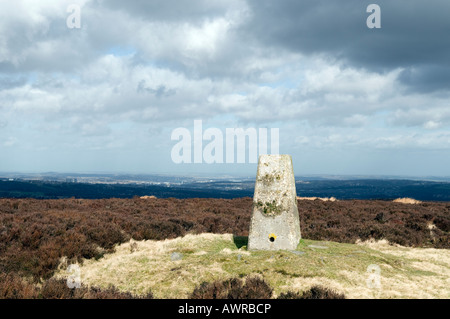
x,y
315,292
36,234
234,288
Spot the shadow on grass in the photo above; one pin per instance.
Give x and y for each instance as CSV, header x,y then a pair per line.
x,y
240,241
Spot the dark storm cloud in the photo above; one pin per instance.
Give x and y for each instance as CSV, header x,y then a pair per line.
x,y
426,78
414,34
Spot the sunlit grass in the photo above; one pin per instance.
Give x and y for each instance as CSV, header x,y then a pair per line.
x,y
209,257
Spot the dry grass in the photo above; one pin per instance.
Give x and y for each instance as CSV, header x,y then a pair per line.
x,y
149,266
430,275
324,199
405,272
407,200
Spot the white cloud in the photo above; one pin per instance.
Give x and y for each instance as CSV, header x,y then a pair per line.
x,y
430,125
128,74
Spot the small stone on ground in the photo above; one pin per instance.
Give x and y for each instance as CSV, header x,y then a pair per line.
x,y
176,256
318,246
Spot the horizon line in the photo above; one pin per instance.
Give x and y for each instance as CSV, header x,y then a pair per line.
x,y
222,175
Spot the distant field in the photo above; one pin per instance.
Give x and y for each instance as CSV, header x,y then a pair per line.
x,y
37,235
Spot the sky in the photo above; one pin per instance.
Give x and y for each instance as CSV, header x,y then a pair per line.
x,y
106,97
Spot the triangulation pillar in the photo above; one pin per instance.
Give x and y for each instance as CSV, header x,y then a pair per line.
x,y
275,222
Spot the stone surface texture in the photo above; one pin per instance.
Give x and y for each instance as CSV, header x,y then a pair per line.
x,y
275,222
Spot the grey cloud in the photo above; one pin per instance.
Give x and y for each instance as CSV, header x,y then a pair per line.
x,y
426,78
436,118
171,10
11,82
413,32
50,46
160,91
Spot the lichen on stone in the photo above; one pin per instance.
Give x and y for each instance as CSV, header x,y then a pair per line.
x,y
269,208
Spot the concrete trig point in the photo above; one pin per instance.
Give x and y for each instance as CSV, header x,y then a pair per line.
x,y
275,223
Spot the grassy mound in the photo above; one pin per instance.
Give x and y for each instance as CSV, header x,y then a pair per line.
x,y
173,268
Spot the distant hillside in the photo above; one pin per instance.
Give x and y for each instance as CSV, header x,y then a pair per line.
x,y
340,189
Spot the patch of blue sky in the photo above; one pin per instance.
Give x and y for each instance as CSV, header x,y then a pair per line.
x,y
121,51
285,77
381,118
32,78
122,125
139,59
